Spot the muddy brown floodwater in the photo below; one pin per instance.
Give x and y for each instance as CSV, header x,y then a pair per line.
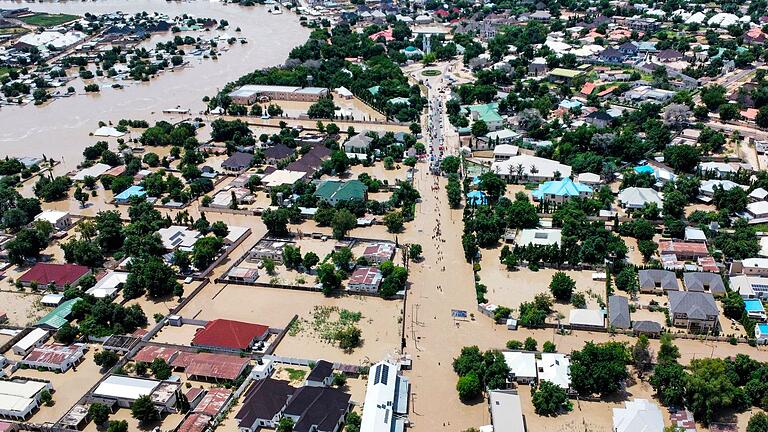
x,y
60,129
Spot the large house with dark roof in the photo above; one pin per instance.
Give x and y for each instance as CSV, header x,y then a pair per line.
x,y
696,311
657,281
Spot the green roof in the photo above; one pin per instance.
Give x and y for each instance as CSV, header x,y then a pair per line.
x,y
567,73
336,190
374,90
488,113
59,316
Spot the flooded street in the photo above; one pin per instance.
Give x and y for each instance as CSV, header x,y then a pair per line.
x,y
60,129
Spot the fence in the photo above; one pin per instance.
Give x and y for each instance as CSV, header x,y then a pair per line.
x,y
6,346
273,346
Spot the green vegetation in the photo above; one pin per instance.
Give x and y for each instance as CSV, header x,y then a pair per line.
x,y
430,72
478,370
48,20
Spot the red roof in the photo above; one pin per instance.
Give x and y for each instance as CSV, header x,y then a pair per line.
x,y
688,248
213,401
194,423
52,354
588,88
442,13
59,274
149,353
386,34
228,334
365,275
607,91
210,365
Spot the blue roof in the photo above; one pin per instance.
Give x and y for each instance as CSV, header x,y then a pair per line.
x,y
753,305
477,197
645,169
131,192
564,187
568,104
763,328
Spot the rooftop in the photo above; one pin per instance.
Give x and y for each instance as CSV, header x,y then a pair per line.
x,y
59,274
229,334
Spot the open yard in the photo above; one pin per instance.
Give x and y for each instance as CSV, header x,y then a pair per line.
x,y
22,308
48,20
379,321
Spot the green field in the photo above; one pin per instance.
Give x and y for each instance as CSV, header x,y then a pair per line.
x,y
4,70
48,20
430,72
12,30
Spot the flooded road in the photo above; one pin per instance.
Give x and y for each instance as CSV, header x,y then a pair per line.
x,y
60,129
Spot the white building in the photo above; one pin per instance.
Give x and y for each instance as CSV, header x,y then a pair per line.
x,y
60,220
18,398
526,168
506,411
555,368
365,279
95,171
386,399
586,319
124,390
178,237
639,415
107,286
522,366
505,151
750,286
55,357
637,198
33,339
539,236
750,267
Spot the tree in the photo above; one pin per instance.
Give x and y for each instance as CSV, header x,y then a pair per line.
x,y
276,221
647,248
394,221
285,425
469,387
143,410
561,286
713,96
83,252
627,280
348,337
641,355
668,380
269,265
352,422
160,369
310,260
479,128
549,399
292,256
729,111
450,164
80,196
339,162
453,189
682,157
530,344
46,398
66,334
329,279
549,347
343,221
733,305
99,413
709,390
762,117
219,229
118,426
105,358
599,368
414,251
152,276
493,185
758,423
323,108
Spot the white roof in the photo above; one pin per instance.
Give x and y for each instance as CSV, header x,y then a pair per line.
x,y
108,285
51,216
638,197
698,18
697,234
343,91
94,171
107,131
723,19
506,150
382,403
758,208
506,411
178,236
555,368
758,193
539,236
52,299
639,415
235,232
544,167
521,364
709,185
502,134
281,177
755,262
122,387
589,178
590,317
21,389
56,39
31,339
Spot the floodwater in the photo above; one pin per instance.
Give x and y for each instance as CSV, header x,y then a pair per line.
x,y
61,129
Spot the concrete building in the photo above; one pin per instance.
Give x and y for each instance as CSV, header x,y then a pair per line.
x,y
321,375
506,411
695,311
178,237
618,312
750,286
108,285
377,253
336,191
522,366
638,415
560,191
229,335
761,333
526,168
537,236
754,309
125,390
555,368
633,198
60,220
657,281
704,282
750,267
33,339
586,319
55,357
18,397
386,399
365,279
249,94
58,275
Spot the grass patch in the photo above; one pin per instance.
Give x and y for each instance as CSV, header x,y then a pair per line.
x,y
430,72
48,20
295,374
13,30
5,70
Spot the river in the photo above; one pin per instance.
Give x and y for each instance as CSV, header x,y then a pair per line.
x,y
61,129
